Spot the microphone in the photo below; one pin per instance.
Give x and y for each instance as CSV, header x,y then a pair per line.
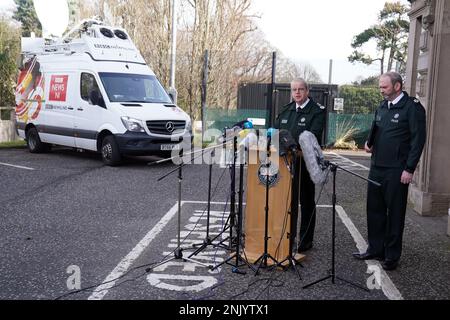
x,y
271,132
314,160
236,130
242,124
248,125
287,142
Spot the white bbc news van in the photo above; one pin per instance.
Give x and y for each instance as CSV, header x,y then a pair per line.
x,y
95,92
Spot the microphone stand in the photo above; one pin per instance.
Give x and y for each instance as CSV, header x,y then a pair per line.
x,y
332,274
231,218
294,216
178,253
237,256
265,256
207,241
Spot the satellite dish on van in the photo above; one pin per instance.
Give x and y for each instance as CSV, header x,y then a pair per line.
x,y
53,15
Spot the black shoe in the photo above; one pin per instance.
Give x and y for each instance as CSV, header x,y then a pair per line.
x,y
305,247
390,265
367,256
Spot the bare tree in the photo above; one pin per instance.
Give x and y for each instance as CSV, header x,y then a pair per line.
x,y
221,27
288,70
237,49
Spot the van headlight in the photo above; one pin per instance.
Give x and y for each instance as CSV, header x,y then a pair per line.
x,y
189,126
132,125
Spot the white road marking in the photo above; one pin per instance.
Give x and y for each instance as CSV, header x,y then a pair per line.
x,y
346,160
203,282
388,287
190,272
14,166
126,262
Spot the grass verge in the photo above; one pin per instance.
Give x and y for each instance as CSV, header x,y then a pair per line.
x,y
13,144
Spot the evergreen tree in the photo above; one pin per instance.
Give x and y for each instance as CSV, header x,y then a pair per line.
x,y
9,52
26,14
391,36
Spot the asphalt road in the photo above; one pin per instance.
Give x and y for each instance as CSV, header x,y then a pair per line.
x,y
70,222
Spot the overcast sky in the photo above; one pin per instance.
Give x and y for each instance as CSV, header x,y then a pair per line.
x,y
319,30
310,31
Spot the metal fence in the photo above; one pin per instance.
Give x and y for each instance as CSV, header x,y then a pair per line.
x,y
341,124
357,114
7,113
220,118
354,116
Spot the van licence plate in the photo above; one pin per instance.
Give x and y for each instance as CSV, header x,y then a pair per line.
x,y
170,147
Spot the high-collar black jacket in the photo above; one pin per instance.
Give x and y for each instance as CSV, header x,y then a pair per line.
x,y
400,134
310,118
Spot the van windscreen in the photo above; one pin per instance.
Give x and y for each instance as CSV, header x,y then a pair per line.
x,y
137,88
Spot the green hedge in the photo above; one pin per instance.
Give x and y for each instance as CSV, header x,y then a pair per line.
x,y
360,100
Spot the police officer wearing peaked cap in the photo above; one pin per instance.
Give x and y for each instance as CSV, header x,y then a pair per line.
x,y
300,115
400,134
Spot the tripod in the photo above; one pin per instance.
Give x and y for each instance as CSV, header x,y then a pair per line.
x,y
178,253
207,241
237,256
332,275
265,256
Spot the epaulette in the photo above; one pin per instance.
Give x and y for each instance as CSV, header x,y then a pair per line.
x,y
321,106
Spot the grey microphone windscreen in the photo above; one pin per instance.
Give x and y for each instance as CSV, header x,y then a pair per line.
x,y
312,153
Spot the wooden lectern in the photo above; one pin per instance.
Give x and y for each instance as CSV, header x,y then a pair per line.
x,y
280,217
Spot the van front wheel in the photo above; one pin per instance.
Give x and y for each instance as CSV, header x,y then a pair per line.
x,y
110,151
34,143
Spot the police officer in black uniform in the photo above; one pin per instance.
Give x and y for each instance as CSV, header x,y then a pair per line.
x,y
300,115
399,138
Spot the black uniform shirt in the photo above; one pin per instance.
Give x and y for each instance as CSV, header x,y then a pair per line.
x,y
310,118
400,135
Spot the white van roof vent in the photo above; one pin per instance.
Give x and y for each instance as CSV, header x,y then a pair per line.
x,y
107,32
121,34
102,32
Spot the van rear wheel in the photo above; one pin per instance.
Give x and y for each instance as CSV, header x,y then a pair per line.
x,y
110,152
34,143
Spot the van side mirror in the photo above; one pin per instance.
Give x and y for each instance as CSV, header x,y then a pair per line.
x,y
173,94
97,99
19,61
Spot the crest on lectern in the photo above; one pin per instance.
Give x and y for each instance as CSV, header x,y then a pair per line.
x,y
268,169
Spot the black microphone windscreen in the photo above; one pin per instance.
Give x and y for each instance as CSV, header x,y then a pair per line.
x,y
240,124
287,142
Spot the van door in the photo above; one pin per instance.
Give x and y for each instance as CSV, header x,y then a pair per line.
x,y
89,112
58,125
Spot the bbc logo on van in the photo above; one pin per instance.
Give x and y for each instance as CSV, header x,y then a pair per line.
x,y
58,88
